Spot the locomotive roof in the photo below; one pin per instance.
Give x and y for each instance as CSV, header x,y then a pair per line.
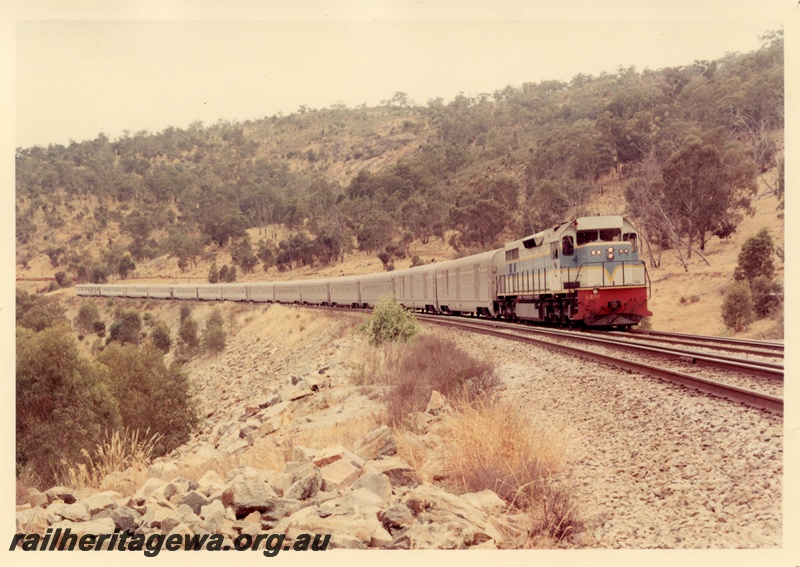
x,y
581,223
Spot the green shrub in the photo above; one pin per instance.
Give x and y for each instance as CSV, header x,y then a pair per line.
x,y
63,402
214,339
185,311
161,337
63,280
187,334
214,335
737,307
87,316
126,328
152,398
38,313
755,258
767,295
389,322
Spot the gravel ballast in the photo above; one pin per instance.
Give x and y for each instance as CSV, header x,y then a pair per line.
x,y
652,465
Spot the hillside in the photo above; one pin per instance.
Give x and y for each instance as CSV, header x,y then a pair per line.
x,y
327,192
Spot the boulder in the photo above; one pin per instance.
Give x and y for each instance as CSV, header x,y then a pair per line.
x,y
375,482
76,512
62,493
399,472
99,502
151,485
307,482
194,500
32,521
397,518
338,466
165,470
126,518
248,492
376,444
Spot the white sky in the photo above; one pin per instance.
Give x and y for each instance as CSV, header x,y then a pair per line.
x,y
80,72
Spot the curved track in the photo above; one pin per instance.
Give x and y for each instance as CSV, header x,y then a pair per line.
x,y
752,398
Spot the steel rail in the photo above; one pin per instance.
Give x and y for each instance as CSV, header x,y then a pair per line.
x,y
735,394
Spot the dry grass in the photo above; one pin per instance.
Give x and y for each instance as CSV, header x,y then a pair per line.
x,y
345,434
116,454
490,444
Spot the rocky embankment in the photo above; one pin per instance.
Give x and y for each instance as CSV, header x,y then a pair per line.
x,y
269,459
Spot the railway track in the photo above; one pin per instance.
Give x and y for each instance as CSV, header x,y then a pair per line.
x,y
741,346
753,398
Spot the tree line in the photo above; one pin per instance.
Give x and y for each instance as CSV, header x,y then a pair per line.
x,y
688,143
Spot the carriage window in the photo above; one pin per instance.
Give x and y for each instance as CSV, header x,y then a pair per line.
x,y
554,250
567,246
586,236
630,237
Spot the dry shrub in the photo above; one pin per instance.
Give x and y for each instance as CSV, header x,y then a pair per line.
x,y
372,365
490,443
116,453
432,363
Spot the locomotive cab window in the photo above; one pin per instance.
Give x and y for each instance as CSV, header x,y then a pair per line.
x,y
630,237
554,250
586,236
567,246
610,235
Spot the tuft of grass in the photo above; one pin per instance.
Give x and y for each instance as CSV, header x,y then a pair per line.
x,y
116,453
432,363
490,444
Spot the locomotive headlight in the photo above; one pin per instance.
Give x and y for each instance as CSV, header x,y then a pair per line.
x,y
595,291
610,249
610,256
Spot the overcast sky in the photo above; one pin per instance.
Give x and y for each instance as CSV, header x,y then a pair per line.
x,y
79,72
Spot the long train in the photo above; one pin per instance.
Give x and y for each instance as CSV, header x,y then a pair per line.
x,y
584,272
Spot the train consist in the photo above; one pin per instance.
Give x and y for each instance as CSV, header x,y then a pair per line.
x,y
585,272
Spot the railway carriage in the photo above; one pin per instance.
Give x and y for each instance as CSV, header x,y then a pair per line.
x,y
210,292
262,292
315,292
344,292
136,291
375,287
415,288
235,292
159,292
467,285
288,292
184,291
